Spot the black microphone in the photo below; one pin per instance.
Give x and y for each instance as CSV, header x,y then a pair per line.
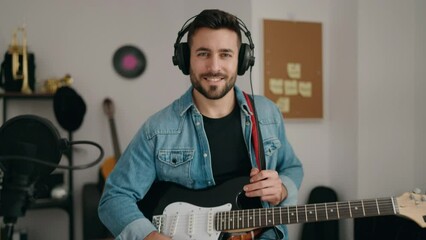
x,y
25,136
30,149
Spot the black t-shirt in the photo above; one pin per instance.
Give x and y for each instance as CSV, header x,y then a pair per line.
x,y
227,147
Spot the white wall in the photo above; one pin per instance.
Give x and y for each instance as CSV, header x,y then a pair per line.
x,y
388,112
419,93
371,141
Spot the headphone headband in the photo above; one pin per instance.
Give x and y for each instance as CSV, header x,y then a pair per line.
x,y
181,55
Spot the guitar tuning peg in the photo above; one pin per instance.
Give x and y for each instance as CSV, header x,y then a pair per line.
x,y
417,191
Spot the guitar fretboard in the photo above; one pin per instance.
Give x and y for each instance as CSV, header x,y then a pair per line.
x,y
264,217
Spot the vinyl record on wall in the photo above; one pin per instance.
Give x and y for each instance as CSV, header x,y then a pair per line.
x,y
129,61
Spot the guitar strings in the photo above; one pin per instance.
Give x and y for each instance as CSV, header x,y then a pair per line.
x,y
240,219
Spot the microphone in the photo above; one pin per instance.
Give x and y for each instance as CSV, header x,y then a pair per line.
x,y
26,136
30,149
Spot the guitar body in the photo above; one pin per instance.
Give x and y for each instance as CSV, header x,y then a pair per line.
x,y
106,168
172,200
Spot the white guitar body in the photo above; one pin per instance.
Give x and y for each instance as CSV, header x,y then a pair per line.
x,y
184,221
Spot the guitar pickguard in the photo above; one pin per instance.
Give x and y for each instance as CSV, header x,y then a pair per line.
x,y
186,221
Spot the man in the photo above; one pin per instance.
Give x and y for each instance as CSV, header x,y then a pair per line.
x,y
204,138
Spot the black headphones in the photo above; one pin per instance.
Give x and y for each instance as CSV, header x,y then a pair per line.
x,y
182,52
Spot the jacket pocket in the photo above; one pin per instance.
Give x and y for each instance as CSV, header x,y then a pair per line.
x,y
174,165
175,157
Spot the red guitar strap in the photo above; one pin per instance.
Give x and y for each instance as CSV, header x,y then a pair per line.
x,y
257,145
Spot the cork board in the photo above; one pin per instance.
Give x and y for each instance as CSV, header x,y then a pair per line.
x,y
293,67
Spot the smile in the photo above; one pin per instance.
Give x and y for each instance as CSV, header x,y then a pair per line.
x,y
213,79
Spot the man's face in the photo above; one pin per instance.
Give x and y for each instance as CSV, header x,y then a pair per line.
x,y
214,61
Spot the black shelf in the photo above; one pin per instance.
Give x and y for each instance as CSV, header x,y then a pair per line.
x,y
67,204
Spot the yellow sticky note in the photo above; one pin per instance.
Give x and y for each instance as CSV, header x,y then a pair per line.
x,y
283,104
305,89
294,70
276,85
290,87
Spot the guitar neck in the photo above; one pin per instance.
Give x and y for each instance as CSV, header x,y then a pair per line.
x,y
266,217
114,136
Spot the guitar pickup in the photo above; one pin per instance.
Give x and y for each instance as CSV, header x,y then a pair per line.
x,y
158,222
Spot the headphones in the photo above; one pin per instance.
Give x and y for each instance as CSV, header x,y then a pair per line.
x,y
182,52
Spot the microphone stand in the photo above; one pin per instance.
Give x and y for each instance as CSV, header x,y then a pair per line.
x,y
17,193
8,231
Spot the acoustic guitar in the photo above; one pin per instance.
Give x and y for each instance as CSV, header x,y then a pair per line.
x,y
109,163
215,212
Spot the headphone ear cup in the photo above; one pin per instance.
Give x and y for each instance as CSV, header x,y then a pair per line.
x,y
181,58
245,58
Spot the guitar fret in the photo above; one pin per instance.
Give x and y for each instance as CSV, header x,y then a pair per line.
x,y
247,217
363,208
316,215
337,210
297,215
288,215
332,211
266,216
232,220
344,210
242,219
326,211
238,220
311,214
260,215
301,214
293,214
254,218
229,222
356,209
306,213
321,212
377,205
370,208
395,210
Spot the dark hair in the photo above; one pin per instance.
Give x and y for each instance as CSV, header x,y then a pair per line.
x,y
214,19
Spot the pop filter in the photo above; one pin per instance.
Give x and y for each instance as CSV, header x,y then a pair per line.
x,y
30,136
25,136
30,149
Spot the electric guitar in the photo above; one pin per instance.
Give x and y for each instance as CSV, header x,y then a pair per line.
x,y
108,165
176,211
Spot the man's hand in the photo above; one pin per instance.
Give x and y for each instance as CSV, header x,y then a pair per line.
x,y
156,236
267,185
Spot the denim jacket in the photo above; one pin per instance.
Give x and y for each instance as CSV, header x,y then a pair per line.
x,y
172,146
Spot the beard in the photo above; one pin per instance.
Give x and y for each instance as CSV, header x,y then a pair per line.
x,y
212,92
